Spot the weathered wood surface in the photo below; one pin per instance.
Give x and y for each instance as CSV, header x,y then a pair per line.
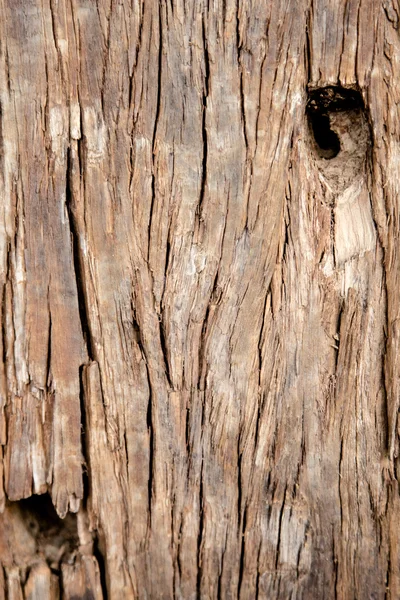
x,y
200,312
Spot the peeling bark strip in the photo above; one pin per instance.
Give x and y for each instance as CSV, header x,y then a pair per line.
x,y
199,271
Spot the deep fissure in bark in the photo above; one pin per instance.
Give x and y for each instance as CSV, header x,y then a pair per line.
x,y
204,119
99,553
85,326
77,259
200,535
156,123
150,428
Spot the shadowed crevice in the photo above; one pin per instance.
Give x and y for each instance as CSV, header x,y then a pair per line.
x,y
322,102
77,261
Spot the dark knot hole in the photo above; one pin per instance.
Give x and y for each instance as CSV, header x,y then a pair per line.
x,y
327,141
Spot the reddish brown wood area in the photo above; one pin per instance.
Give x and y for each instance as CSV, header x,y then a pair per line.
x,y
200,299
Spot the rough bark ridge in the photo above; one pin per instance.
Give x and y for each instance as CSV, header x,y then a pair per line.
x,y
200,316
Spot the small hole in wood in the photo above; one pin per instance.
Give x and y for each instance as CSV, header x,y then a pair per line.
x,y
328,144
55,537
323,104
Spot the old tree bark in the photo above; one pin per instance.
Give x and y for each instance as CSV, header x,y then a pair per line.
x,y
200,299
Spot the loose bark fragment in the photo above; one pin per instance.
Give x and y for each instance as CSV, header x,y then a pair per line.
x,y
82,579
39,583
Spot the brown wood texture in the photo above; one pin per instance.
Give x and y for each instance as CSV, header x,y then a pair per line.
x,y
200,305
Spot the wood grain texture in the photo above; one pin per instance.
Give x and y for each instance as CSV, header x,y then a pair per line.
x,y
200,310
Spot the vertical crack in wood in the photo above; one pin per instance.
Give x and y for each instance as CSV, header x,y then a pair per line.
x,y
150,427
87,336
164,350
242,562
77,260
240,69
206,91
200,535
154,148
